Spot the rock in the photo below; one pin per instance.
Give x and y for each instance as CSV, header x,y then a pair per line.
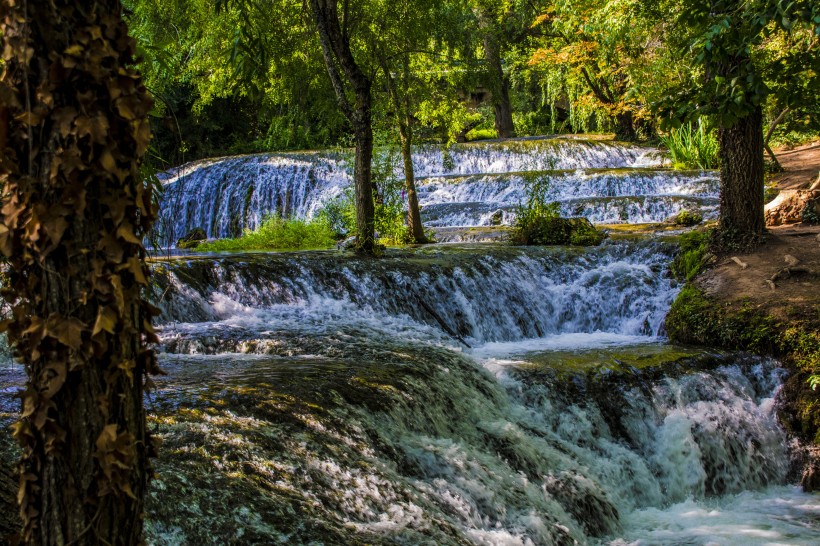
x,y
346,244
741,263
687,218
497,218
192,239
790,260
810,480
792,206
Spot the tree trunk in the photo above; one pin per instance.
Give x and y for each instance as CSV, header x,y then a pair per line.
x,y
337,55
413,213
363,184
741,181
497,82
625,127
75,210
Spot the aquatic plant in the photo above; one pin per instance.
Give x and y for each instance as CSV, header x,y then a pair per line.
x,y
692,147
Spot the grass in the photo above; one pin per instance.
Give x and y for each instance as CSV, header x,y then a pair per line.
x,y
277,234
692,147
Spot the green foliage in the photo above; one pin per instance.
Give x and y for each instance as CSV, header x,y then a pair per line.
x,y
538,220
277,234
692,147
391,212
694,249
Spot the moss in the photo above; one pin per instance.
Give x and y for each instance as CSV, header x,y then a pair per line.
x,y
554,230
695,318
688,218
694,246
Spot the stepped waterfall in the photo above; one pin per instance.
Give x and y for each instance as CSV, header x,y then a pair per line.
x,y
453,394
607,182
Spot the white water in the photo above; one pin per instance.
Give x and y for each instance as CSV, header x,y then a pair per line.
x,y
429,441
605,181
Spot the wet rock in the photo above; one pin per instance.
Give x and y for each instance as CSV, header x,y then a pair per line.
x,y
192,239
497,218
810,480
687,218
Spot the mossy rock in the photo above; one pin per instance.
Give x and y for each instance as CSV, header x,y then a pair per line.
x,y
192,239
688,218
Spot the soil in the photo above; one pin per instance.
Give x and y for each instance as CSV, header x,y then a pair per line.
x,y
794,298
801,166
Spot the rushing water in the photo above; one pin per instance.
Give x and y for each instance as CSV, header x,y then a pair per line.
x,y
453,394
459,395
607,182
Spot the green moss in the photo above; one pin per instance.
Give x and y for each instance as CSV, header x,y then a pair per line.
x,y
688,218
694,246
695,318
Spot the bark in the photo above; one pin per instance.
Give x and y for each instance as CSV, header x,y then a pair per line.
x,y
413,212
768,137
346,75
74,211
625,127
497,82
741,181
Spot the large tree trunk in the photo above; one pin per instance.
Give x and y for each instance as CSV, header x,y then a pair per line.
x,y
337,55
413,212
741,181
497,82
75,210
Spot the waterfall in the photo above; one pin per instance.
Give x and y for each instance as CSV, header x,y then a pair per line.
x,y
444,395
461,186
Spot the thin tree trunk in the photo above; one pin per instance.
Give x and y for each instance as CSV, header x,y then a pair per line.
x,y
336,52
769,134
741,181
75,210
413,213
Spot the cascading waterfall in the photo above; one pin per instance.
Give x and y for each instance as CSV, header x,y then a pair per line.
x,y
452,394
464,186
440,396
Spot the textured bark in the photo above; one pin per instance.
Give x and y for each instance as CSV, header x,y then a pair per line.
x,y
9,520
625,127
497,82
346,75
741,181
74,211
413,212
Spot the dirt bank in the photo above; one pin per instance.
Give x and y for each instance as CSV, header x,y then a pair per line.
x,y
801,166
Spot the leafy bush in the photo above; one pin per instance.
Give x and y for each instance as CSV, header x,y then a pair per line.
x,y
538,221
277,234
692,147
390,214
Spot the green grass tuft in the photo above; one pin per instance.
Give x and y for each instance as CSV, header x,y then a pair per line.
x,y
692,147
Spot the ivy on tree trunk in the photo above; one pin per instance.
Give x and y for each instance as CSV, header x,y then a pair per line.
x,y
74,212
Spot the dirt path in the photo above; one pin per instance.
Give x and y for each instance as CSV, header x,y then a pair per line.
x,y
801,164
794,298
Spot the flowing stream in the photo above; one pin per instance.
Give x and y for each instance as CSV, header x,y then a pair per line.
x,y
468,185
455,394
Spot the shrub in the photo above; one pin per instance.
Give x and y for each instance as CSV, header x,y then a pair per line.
x,y
692,147
277,234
